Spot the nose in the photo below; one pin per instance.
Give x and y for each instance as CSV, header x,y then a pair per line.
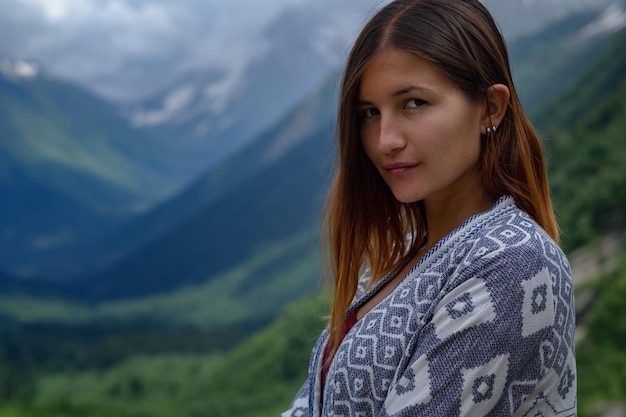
x,y
390,136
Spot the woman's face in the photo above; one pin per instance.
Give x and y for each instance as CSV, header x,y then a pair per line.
x,y
419,129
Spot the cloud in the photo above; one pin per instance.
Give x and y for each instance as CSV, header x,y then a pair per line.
x,y
127,49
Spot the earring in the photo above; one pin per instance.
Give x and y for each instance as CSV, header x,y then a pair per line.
x,y
491,131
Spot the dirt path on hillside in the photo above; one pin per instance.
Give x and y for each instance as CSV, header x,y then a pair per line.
x,y
600,257
588,263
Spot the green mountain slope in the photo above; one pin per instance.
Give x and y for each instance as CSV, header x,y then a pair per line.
x,y
70,169
253,292
585,141
257,379
601,359
220,182
280,196
586,161
66,139
246,179
603,77
545,62
262,375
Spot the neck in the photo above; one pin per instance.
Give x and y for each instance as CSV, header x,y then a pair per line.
x,y
446,214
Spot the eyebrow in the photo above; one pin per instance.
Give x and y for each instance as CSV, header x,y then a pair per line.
x,y
398,93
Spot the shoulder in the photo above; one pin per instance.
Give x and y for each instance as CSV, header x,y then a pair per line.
x,y
512,242
510,280
515,260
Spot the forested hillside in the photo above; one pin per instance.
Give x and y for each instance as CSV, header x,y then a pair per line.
x,y
584,131
90,173
544,63
257,379
158,357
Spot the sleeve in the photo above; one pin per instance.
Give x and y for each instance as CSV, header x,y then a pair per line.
x,y
300,405
500,342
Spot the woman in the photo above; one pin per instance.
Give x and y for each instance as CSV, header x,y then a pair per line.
x,y
466,304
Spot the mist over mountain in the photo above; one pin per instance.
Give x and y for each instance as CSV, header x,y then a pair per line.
x,y
545,62
195,133
271,190
71,169
130,50
127,50
215,114
523,17
165,276
94,169
203,78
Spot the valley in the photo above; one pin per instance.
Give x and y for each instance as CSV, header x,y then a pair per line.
x,y
209,298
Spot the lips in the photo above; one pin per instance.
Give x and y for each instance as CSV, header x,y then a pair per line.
x,y
399,168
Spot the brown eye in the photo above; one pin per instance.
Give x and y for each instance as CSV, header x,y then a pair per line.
x,y
414,103
369,113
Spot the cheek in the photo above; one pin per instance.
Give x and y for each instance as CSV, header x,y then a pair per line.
x,y
466,134
470,148
458,145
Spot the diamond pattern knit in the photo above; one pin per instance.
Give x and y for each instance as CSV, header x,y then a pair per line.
x,y
483,325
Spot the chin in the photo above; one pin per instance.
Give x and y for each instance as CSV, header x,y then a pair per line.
x,y
407,199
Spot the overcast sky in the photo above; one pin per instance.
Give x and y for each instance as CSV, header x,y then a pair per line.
x,y
130,49
115,45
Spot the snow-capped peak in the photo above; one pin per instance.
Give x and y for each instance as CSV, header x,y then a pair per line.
x,y
612,20
18,69
171,106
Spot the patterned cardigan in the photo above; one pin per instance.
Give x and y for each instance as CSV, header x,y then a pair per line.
x,y
482,325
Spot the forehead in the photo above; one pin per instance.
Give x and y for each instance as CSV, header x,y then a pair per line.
x,y
396,69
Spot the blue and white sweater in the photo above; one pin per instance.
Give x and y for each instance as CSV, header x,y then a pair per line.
x,y
482,325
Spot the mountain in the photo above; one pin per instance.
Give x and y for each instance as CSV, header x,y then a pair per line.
x,y
311,115
587,160
206,115
525,18
10,285
213,113
604,77
65,147
112,363
204,230
71,168
219,220
270,192
544,62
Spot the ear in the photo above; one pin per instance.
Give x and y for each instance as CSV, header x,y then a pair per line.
x,y
498,96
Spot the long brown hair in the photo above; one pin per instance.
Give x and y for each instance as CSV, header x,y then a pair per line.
x,y
365,223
